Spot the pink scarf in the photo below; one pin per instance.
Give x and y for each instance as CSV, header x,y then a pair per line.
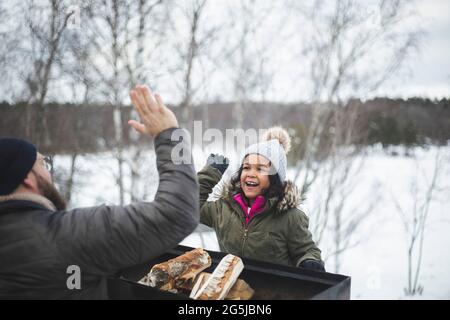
x,y
256,208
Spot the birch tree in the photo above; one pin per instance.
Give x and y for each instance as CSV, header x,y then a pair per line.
x,y
352,49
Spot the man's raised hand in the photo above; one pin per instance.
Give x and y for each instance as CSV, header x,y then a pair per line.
x,y
153,114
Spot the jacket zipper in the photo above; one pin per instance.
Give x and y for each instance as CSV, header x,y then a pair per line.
x,y
244,238
246,227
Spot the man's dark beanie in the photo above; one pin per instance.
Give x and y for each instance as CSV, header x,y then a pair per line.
x,y
17,157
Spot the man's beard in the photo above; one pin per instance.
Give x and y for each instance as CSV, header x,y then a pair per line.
x,y
49,191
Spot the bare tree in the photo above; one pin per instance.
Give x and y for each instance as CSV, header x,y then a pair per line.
x,y
247,51
141,72
103,64
109,27
193,14
424,187
41,48
149,34
337,173
191,47
10,44
47,23
344,38
121,41
76,69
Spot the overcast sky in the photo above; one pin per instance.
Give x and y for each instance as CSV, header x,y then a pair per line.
x,y
425,73
428,73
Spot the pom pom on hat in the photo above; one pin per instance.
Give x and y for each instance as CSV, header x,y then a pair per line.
x,y
275,145
280,134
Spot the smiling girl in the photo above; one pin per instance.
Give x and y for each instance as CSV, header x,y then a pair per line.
x,y
257,215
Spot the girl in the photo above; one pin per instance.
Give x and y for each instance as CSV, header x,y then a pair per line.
x,y
257,215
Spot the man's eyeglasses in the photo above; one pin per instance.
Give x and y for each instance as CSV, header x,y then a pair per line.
x,y
48,163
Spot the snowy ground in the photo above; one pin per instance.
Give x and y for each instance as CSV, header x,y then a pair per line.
x,y
378,265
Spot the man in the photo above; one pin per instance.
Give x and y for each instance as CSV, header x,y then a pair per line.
x,y
43,247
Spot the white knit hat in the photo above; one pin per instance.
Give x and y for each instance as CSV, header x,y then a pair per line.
x,y
275,145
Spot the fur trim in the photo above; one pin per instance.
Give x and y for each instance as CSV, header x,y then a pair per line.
x,y
292,196
29,197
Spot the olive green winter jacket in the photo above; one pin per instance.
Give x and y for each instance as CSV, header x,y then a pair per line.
x,y
279,234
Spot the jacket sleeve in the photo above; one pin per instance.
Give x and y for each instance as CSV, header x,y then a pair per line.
x,y
104,239
300,243
208,177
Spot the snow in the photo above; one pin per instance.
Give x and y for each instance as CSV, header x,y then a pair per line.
x,y
378,264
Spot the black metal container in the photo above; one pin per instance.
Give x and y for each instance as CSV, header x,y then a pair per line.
x,y
270,281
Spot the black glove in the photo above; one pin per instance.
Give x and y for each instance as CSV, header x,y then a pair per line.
x,y
219,162
312,265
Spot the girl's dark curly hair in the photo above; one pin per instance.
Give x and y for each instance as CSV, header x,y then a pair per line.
x,y
276,188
